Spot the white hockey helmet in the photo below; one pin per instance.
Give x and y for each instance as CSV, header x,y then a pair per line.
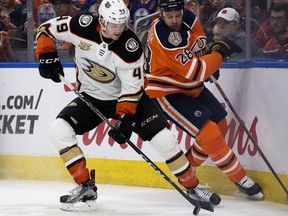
x,y
114,11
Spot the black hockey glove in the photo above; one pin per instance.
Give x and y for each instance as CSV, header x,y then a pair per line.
x,y
216,76
50,66
226,48
124,129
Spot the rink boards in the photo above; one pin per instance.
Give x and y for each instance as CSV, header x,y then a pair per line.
x,y
30,103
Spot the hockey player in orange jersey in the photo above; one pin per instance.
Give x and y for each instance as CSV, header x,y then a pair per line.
x,y
178,62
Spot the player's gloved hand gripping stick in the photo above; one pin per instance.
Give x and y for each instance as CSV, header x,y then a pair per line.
x,y
50,66
226,48
124,129
198,204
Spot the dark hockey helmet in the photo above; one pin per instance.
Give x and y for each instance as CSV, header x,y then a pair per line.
x,y
171,5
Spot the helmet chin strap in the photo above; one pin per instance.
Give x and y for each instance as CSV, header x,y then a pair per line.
x,y
103,33
103,23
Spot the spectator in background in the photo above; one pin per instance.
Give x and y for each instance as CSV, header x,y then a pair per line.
x,y
21,7
14,20
11,17
192,6
209,12
5,48
65,8
43,11
277,47
265,31
139,9
256,15
227,27
77,4
91,6
212,8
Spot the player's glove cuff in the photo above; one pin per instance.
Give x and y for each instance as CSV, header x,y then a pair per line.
x,y
226,48
50,66
123,129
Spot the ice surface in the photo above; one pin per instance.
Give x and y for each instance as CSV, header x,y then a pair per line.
x,y
31,198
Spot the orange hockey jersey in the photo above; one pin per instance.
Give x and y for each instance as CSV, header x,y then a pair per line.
x,y
175,61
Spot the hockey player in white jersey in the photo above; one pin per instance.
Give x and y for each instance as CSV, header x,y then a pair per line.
x,y
109,73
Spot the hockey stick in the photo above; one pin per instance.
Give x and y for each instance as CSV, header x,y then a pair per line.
x,y
198,204
242,124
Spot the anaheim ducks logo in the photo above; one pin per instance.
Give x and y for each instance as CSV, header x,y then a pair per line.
x,y
175,38
98,72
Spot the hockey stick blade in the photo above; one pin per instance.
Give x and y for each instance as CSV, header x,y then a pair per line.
x,y
206,205
198,205
196,210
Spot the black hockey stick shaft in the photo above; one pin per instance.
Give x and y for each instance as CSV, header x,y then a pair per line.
x,y
242,124
131,144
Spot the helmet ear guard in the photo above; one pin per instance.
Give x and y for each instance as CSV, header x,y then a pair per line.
x,y
171,5
113,11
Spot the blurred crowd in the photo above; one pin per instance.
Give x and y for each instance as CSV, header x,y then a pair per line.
x,y
266,23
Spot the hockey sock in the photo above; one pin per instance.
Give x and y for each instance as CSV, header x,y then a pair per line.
x,y
212,142
75,162
222,125
181,168
167,146
196,156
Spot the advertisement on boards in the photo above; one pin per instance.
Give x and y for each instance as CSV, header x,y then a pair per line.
x,y
29,104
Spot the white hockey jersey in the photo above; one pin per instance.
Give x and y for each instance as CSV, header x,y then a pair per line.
x,y
105,69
